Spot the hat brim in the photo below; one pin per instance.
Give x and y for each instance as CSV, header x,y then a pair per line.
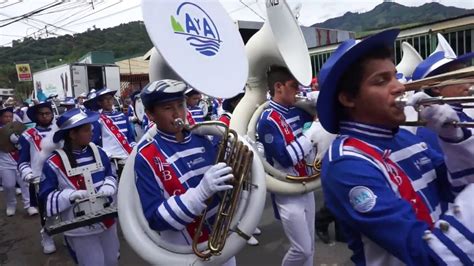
x,y
442,69
59,135
327,100
6,109
31,111
105,93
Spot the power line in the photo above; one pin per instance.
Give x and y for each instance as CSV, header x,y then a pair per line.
x,y
255,12
28,15
106,16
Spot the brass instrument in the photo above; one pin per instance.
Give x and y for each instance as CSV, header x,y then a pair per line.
x,y
238,156
461,76
402,102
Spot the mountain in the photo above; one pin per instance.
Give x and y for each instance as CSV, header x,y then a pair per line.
x,y
390,14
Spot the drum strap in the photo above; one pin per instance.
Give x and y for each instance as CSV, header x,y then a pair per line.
x,y
85,171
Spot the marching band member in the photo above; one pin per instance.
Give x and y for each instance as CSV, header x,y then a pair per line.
x,y
29,163
9,171
387,188
68,103
195,114
80,100
442,60
280,131
228,106
95,244
176,170
117,135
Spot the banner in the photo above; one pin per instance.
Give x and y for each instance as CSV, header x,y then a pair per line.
x,y
24,72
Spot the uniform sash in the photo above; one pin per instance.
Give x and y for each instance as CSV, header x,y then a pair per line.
x,y
289,137
171,183
78,182
190,118
397,177
33,133
116,133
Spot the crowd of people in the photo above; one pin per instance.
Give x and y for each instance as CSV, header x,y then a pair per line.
x,y
392,192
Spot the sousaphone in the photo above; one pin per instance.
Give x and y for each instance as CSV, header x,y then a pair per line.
x,y
279,42
198,43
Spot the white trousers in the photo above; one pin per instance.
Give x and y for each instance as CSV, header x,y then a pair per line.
x,y
9,179
97,250
297,217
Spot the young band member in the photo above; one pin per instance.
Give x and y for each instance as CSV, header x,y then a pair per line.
x,y
95,244
280,130
68,103
441,61
9,171
29,163
109,118
176,169
387,188
195,113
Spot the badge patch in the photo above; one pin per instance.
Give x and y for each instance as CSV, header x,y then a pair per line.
x,y
362,199
268,138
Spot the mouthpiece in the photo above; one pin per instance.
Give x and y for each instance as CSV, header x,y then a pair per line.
x,y
179,123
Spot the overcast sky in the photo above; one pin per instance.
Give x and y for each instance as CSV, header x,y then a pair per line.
x,y
75,16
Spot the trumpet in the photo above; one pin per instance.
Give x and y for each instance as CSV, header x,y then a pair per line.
x,y
461,76
239,157
401,102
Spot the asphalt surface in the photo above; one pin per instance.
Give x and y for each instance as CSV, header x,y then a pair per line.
x,y
20,243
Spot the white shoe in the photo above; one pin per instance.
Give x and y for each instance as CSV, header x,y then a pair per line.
x,y
31,211
1,188
257,231
18,191
11,211
47,242
252,241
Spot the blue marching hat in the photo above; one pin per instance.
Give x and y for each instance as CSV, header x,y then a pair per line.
x,y
71,119
105,91
31,111
438,63
135,95
91,101
345,55
164,90
68,101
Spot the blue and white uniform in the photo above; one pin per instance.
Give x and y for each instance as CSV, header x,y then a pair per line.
x,y
382,228
189,159
95,244
111,143
10,176
30,148
295,211
196,113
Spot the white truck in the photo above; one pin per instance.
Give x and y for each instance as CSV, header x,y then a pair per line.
x,y
71,80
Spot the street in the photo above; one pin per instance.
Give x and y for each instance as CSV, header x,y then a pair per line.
x,y
20,243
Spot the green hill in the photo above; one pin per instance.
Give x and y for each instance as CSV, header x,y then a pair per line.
x,y
389,14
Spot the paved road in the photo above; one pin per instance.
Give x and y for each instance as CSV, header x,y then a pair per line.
x,y
19,244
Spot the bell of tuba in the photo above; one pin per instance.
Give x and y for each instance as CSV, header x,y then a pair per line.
x,y
181,52
279,42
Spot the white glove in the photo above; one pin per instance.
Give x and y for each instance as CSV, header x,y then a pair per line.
x,y
78,194
14,138
319,137
438,118
28,178
214,180
106,191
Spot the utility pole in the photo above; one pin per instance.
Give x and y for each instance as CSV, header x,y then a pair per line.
x,y
46,63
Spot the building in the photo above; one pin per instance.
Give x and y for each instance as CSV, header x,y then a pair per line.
x,y
458,31
5,93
